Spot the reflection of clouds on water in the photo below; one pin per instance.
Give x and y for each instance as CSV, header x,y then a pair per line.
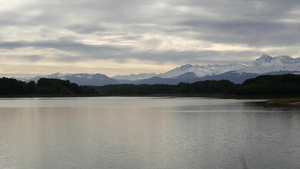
x,y
125,132
243,162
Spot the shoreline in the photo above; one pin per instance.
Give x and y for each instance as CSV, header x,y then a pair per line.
x,y
281,100
285,102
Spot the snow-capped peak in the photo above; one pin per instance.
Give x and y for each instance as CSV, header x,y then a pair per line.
x,y
262,65
263,59
278,60
285,59
266,64
202,70
185,67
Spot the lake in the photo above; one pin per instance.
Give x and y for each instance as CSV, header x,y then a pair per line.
x,y
147,133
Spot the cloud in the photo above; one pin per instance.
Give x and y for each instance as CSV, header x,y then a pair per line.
x,y
172,32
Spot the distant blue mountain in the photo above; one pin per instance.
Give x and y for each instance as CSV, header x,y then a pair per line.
x,y
237,73
158,80
233,76
82,79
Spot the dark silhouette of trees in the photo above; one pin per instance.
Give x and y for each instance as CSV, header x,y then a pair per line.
x,y
288,84
277,85
202,87
9,86
210,87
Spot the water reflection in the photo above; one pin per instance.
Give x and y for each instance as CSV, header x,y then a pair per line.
x,y
147,133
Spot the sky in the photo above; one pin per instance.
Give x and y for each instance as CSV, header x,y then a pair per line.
x,y
117,37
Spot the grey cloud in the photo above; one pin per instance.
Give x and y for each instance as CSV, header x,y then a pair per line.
x,y
87,29
132,11
92,11
251,32
70,59
86,52
31,58
244,22
11,45
196,57
62,45
82,51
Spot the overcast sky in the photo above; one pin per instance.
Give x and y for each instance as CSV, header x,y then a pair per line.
x,y
142,36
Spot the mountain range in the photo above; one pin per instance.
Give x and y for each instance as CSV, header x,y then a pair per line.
x,y
235,72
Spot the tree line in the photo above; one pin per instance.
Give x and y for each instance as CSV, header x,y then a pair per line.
x,y
264,85
44,86
201,87
288,84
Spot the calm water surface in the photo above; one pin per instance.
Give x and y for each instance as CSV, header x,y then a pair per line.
x,y
147,133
